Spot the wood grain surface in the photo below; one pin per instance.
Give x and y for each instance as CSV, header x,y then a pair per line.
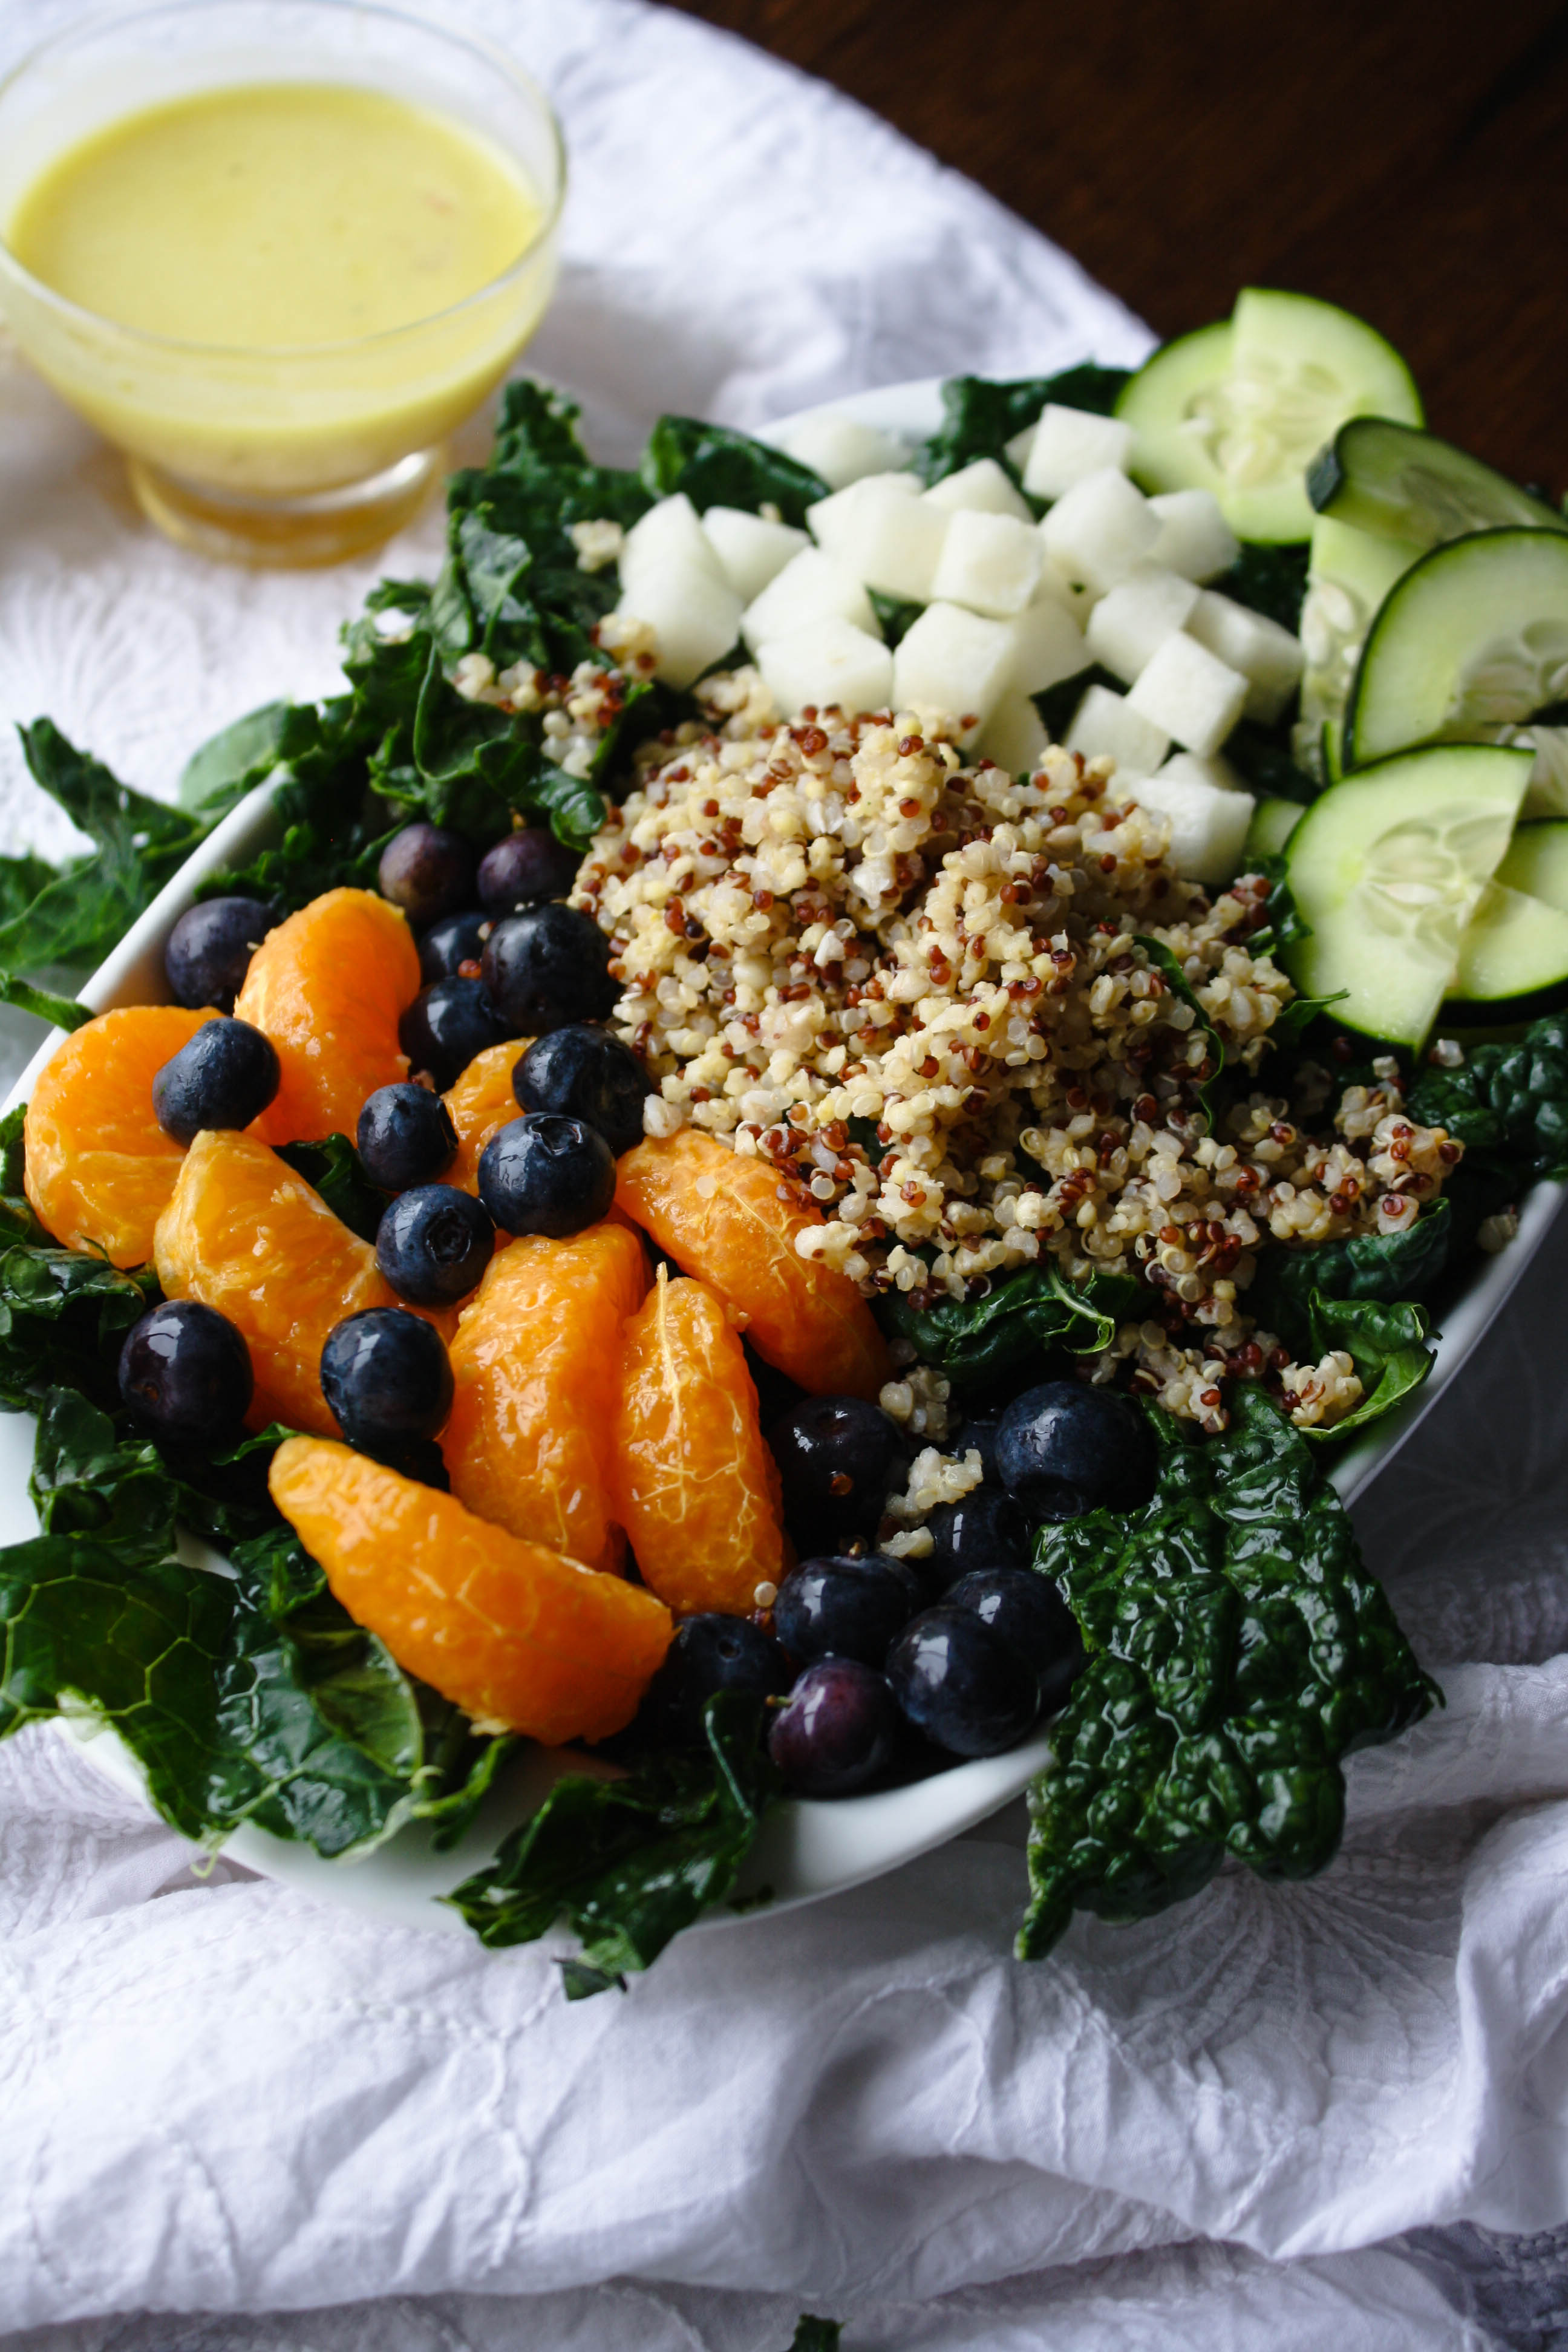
x,y
1407,158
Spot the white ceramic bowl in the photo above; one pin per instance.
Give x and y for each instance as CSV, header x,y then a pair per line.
x,y
804,1850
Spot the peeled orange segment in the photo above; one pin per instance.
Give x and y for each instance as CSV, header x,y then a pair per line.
x,y
481,1104
721,1218
696,1486
246,1235
537,1367
329,987
99,1169
507,1630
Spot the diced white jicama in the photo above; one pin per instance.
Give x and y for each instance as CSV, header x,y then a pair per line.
x,y
1069,445
827,662
1267,657
1099,530
1195,537
811,587
1016,451
694,613
668,533
1186,768
952,663
1048,646
1190,693
842,450
752,550
984,488
1105,727
1014,734
991,562
829,519
890,540
1058,580
1208,828
1135,618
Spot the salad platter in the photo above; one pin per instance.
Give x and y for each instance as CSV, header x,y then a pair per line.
x,y
1204,720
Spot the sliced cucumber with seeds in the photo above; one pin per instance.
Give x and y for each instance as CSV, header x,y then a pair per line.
x,y
1241,408
1407,485
1513,959
1537,862
1388,869
1349,574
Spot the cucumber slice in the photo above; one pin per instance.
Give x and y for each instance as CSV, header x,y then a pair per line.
x,y
1387,869
1349,574
1468,645
1273,823
1513,959
1241,407
1537,862
1410,486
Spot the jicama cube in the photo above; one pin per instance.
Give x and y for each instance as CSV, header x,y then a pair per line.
x,y
1106,727
1135,618
1099,530
1267,657
752,550
1195,537
694,613
811,587
1016,451
829,519
989,562
1208,828
1048,646
668,533
984,488
1185,767
842,450
952,663
890,540
1190,693
1014,734
1069,445
827,662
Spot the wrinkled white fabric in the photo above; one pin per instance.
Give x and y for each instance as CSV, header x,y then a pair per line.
x,y
220,2098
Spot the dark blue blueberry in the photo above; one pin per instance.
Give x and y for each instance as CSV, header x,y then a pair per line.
x,y
1031,1618
404,1137
959,1685
434,1244
979,1433
184,1372
525,867
385,1376
210,948
986,1530
225,1076
545,1175
711,1653
838,1731
447,1025
848,1608
447,946
837,1457
427,871
546,967
1065,1448
582,1072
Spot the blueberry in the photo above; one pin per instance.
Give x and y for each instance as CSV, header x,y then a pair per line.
x,y
1031,1618
545,1175
979,1435
838,1731
447,1025
404,1137
837,1457
711,1653
447,946
546,967
844,1608
210,948
960,1684
427,871
525,867
986,1530
1065,1448
434,1244
385,1376
225,1076
184,1372
584,1073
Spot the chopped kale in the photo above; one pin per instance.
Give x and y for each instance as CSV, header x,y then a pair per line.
x,y
979,417
977,1341
718,467
1507,1105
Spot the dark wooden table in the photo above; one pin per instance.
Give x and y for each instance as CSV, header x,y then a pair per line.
x,y
1407,158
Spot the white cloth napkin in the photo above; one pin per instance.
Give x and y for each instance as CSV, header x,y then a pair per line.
x,y
221,2098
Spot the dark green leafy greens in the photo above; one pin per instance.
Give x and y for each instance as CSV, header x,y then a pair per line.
x,y
718,467
979,417
814,2335
1507,1105
978,1342
216,778
63,1011
333,1169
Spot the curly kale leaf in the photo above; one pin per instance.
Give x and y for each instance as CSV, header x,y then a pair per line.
x,y
333,1169
216,777
718,467
1237,1650
1360,1296
60,1011
979,417
1388,1345
1272,580
1507,1105
978,1342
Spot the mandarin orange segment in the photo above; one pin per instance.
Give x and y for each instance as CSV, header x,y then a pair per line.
x,y
507,1630
481,1104
329,987
696,1486
733,1222
536,1364
99,1168
246,1235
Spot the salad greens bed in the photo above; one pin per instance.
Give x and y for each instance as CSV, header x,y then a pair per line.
x,y
1236,1646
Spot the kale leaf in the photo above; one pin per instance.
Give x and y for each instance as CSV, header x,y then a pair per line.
x,y
979,417
1202,1075
1507,1105
896,615
1056,704
1237,1651
1272,580
333,1169
718,467
63,1314
814,2335
1264,759
977,1341
62,1012
217,776
1360,1296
